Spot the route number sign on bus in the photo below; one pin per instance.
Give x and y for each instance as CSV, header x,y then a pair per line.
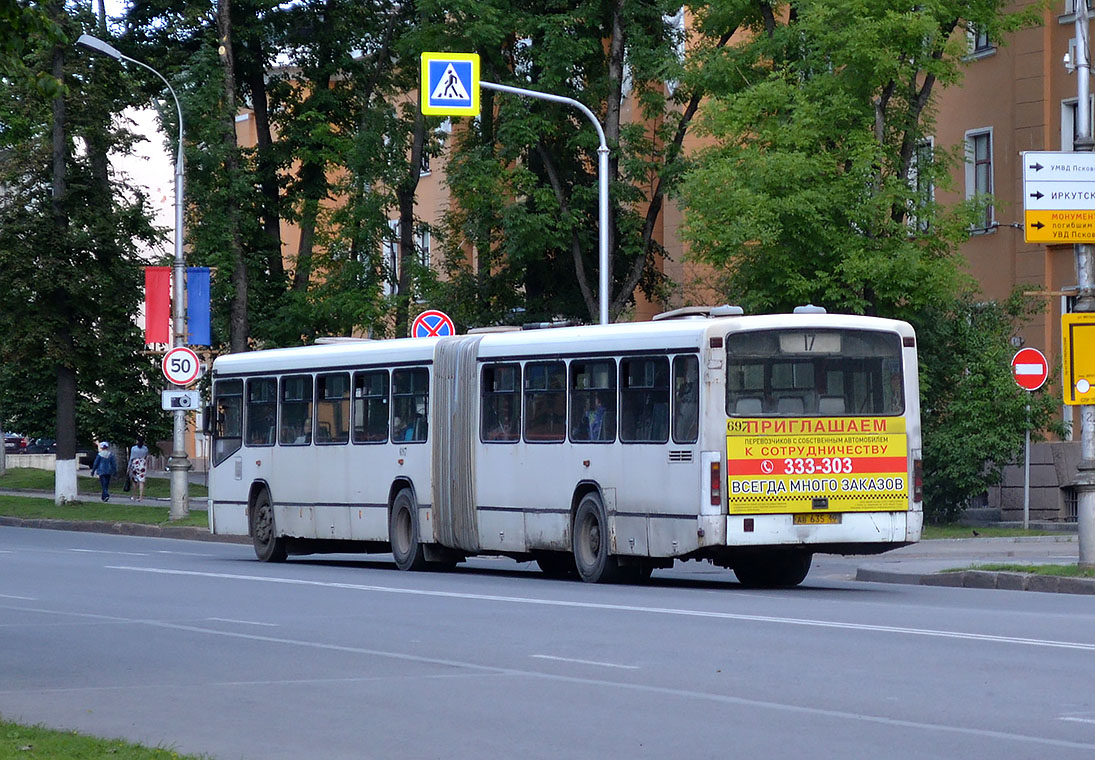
x,y
181,366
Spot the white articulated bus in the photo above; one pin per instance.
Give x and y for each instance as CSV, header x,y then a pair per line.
x,y
751,442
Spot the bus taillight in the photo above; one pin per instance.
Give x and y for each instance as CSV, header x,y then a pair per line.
x,y
716,484
918,480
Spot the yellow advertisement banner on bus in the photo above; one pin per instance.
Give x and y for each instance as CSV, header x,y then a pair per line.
x,y
810,464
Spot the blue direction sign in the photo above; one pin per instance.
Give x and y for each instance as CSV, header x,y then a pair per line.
x,y
450,84
432,324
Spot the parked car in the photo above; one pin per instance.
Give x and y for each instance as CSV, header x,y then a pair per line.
x,y
15,443
42,446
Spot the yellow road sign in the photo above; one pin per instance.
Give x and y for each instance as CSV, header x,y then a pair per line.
x,y
1078,332
1060,226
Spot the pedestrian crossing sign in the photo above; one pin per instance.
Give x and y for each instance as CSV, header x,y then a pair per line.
x,y
450,84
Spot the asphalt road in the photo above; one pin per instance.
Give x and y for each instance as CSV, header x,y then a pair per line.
x,y
198,647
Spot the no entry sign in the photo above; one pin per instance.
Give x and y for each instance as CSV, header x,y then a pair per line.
x,y
1029,368
432,324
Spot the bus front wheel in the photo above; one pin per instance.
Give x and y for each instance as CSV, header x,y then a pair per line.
x,y
591,542
269,546
775,570
403,533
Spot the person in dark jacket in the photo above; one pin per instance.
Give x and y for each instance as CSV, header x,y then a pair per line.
x,y
105,466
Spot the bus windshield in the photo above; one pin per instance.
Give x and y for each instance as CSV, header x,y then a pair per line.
x,y
813,373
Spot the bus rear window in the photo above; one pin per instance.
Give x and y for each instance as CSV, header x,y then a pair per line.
x,y
813,373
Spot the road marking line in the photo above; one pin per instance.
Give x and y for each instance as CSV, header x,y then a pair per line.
x,y
242,622
103,551
23,598
984,637
584,662
1077,720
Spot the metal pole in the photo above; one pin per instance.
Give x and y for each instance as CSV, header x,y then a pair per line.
x,y
602,183
1026,474
178,463
1085,477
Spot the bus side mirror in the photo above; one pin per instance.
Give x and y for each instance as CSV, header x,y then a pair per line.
x,y
207,420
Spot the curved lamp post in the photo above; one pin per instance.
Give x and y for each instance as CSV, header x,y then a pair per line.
x,y
178,463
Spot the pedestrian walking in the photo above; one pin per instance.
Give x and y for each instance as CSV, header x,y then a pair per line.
x,y
138,466
105,466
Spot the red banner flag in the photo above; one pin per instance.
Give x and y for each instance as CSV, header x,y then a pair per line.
x,y
157,304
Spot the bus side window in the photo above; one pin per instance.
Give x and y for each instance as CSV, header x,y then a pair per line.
x,y
262,411
686,399
371,406
228,406
410,405
545,402
333,408
593,401
644,400
500,403
296,410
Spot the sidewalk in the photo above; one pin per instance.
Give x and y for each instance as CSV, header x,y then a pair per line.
x,y
924,563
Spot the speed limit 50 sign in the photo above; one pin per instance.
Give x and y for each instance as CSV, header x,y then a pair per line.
x,y
181,366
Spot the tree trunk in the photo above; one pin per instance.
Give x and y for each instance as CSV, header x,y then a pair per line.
x,y
267,168
238,330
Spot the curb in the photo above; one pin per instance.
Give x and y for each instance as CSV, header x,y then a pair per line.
x,y
190,533
984,579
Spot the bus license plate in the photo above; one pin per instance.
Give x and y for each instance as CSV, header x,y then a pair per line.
x,y
825,518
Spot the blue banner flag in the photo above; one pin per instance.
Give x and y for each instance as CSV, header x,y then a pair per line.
x,y
197,306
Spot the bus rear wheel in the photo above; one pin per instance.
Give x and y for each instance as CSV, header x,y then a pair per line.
x,y
269,546
591,542
403,533
775,570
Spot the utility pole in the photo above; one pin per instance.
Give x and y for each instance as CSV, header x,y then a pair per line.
x,y
1085,478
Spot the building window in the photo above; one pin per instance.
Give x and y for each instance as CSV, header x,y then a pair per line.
x,y
391,258
979,174
979,42
1069,125
424,163
922,185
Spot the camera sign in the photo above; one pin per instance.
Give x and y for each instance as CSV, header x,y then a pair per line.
x,y
181,366
173,401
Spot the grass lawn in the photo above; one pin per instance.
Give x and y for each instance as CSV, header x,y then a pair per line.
x,y
28,478
38,743
35,507
965,531
1068,571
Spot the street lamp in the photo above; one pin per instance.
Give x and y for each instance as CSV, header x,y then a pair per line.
x,y
178,463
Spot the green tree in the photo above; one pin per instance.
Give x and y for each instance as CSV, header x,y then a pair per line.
x,y
68,254
813,191
523,177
